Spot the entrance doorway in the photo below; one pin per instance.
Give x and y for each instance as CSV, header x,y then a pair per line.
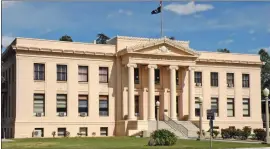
x,y
156,99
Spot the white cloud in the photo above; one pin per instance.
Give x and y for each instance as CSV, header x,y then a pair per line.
x,y
189,8
126,12
7,4
251,31
226,42
6,40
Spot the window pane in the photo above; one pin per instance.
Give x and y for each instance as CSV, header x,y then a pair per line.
x,y
83,103
230,112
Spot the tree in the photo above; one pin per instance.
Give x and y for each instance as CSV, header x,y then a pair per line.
x,y
172,38
265,71
224,50
102,38
66,38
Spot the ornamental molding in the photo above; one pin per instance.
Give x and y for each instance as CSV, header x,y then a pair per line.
x,y
229,61
148,39
67,51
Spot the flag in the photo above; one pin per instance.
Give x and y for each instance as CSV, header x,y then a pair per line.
x,y
158,10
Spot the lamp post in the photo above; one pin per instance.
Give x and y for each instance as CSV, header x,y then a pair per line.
x,y
201,112
157,104
266,94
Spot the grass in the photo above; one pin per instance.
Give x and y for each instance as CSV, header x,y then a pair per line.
x,y
113,143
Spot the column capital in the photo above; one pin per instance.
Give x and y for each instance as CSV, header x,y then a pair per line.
x,y
173,67
191,68
152,66
132,65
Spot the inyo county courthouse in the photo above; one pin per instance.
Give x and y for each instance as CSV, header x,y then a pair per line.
x,y
112,89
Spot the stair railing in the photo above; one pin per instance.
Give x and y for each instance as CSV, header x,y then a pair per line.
x,y
176,126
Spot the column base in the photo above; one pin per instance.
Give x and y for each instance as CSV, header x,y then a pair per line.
x,y
131,119
267,141
175,119
151,119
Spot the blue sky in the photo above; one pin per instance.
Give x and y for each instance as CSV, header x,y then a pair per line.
x,y
242,27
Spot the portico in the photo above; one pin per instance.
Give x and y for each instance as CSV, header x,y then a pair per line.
x,y
160,66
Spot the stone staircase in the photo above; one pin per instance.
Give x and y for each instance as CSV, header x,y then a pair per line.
x,y
182,129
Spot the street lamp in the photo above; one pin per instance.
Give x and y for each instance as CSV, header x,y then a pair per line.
x,y
201,112
157,104
266,94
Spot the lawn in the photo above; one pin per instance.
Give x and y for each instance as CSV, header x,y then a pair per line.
x,y
112,143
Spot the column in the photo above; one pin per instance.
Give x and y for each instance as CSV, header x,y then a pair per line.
x,y
173,92
131,102
151,92
191,94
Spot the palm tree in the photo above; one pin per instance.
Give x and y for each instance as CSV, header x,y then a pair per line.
x,y
224,50
172,38
66,38
102,38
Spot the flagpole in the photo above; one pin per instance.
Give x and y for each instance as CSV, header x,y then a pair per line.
x,y
161,19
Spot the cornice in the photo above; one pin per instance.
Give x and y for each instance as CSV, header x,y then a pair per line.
x,y
229,61
67,51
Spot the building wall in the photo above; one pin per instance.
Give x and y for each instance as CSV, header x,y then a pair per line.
x,y
26,122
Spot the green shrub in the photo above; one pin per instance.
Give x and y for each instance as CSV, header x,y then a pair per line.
x,y
203,133
215,133
260,134
163,137
246,131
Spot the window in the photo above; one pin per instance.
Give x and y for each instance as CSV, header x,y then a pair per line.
x,y
245,80
137,105
177,111
62,104
230,107
103,131
103,105
39,70
198,78
39,104
9,75
61,72
13,72
103,74
136,76
214,105
83,104
246,107
230,80
83,131
177,77
197,106
39,132
83,74
157,76
214,79
61,132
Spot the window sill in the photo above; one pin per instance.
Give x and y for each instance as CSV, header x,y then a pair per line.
x,y
214,86
83,82
61,81
104,116
104,83
198,86
39,80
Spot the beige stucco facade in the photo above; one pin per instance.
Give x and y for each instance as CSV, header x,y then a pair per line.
x,y
123,56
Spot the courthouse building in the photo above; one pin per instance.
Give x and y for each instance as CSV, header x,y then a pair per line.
x,y
112,89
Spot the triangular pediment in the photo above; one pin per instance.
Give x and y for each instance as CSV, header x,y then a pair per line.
x,y
162,47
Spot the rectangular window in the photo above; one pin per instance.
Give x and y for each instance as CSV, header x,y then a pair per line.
x,y
197,106
214,105
9,75
83,74
39,132
246,107
61,72
214,79
83,105
39,71
39,104
177,111
137,106
61,104
157,76
13,72
230,107
245,80
103,105
84,131
61,132
198,78
136,76
103,74
177,77
103,131
230,80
